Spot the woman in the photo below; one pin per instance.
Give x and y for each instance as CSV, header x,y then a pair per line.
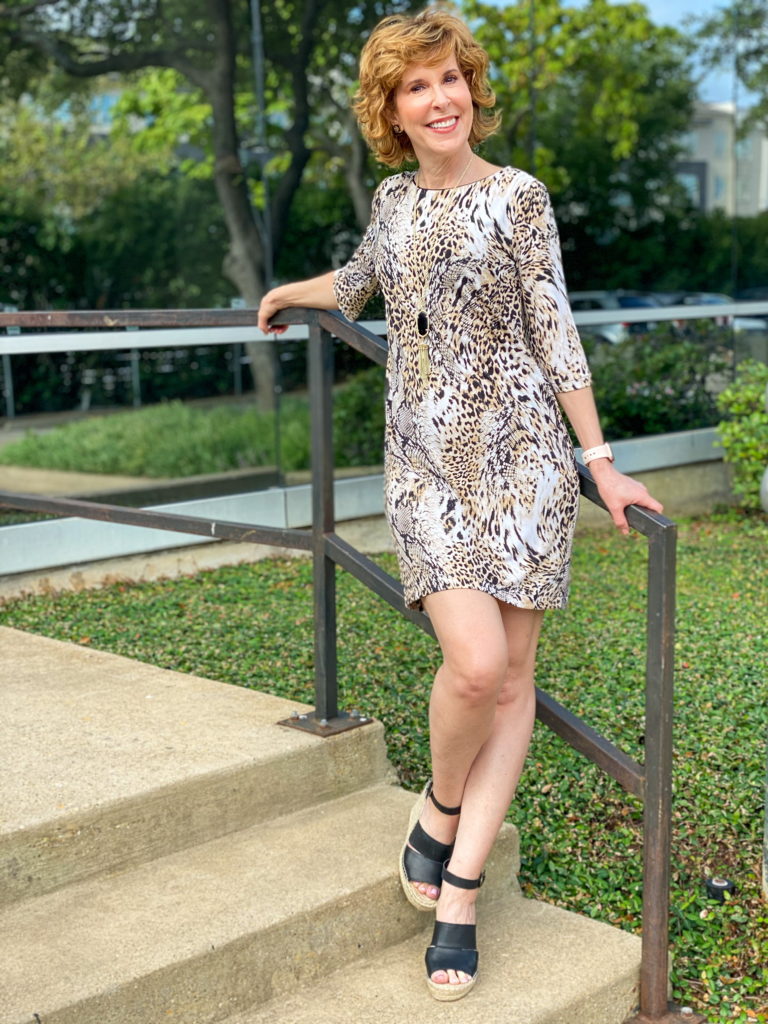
x,y
481,482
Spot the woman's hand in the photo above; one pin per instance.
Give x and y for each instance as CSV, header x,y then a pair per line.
x,y
316,293
618,491
271,304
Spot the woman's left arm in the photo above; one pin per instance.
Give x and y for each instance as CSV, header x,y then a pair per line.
x,y
616,489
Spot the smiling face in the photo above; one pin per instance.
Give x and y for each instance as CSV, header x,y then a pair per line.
x,y
433,105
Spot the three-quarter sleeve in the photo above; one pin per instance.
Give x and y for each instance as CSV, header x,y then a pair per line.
x,y
552,333
356,281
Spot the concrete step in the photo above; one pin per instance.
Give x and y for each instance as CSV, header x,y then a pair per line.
x,y
538,965
107,762
222,927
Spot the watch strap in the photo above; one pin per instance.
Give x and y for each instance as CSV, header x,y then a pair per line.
x,y
600,451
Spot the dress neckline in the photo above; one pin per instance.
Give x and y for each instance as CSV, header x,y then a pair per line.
x,y
454,188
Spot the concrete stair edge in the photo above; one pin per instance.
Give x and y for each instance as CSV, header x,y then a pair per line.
x,y
539,964
224,955
152,824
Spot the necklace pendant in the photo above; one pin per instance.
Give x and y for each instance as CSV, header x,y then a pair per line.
x,y
424,363
422,323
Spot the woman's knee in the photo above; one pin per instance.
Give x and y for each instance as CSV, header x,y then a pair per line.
x,y
476,679
518,688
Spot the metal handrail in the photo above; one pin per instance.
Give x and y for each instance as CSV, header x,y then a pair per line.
x,y
651,781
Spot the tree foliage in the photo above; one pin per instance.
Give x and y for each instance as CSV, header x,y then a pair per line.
x,y
737,38
594,101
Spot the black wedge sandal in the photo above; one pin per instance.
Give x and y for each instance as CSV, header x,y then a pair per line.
x,y
423,859
453,948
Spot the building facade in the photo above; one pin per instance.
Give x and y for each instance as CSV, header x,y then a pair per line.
x,y
721,170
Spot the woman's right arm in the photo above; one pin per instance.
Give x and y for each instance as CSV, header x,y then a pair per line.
x,y
316,293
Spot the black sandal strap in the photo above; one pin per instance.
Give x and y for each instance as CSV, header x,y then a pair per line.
x,y
419,868
423,843
462,883
453,948
441,807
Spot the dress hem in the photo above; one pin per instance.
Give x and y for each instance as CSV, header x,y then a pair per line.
x,y
500,593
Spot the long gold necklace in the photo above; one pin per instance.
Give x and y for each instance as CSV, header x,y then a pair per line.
x,y
422,317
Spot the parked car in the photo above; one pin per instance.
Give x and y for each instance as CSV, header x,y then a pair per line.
x,y
738,323
758,294
612,333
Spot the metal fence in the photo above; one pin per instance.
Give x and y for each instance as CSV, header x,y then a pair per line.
x,y
651,782
130,335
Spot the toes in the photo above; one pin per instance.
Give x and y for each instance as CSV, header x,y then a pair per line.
x,y
427,890
450,978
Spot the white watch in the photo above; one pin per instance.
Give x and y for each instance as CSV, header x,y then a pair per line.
x,y
600,451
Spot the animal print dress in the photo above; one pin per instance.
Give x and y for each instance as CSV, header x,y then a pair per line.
x,y
481,488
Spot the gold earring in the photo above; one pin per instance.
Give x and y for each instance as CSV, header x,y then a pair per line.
x,y
397,129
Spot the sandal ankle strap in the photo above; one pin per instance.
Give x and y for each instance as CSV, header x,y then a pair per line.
x,y
441,807
462,883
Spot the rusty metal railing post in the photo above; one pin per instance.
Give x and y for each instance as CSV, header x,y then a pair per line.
x,y
320,358
659,691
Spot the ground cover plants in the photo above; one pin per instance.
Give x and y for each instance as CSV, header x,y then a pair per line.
x,y
581,835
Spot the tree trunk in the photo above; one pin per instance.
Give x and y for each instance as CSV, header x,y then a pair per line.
x,y
354,171
244,263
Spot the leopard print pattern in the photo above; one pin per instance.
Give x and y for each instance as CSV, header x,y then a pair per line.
x,y
481,488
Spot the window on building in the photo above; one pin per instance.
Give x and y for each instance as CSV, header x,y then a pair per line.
x,y
692,185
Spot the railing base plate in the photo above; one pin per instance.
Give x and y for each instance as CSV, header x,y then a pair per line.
x,y
325,727
674,1015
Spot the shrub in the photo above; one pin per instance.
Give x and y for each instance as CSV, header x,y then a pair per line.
x,y
171,439
177,440
358,419
744,435
659,382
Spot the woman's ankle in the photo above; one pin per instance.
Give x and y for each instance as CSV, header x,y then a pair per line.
x,y
442,827
456,906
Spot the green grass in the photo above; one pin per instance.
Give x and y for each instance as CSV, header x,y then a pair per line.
x,y
581,834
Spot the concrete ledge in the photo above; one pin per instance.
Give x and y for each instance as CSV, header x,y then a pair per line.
x,y
370,535
106,762
662,451
700,481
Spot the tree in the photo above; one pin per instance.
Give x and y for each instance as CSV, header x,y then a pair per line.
x,y
594,101
737,38
207,42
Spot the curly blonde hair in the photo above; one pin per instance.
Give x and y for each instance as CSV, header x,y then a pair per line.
x,y
426,38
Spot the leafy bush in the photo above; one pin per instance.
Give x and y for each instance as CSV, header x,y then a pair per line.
x,y
358,419
661,381
177,440
171,439
744,435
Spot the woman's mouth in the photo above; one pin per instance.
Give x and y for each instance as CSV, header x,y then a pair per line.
x,y
443,125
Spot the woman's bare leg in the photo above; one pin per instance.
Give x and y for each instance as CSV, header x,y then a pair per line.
x,y
470,632
481,717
